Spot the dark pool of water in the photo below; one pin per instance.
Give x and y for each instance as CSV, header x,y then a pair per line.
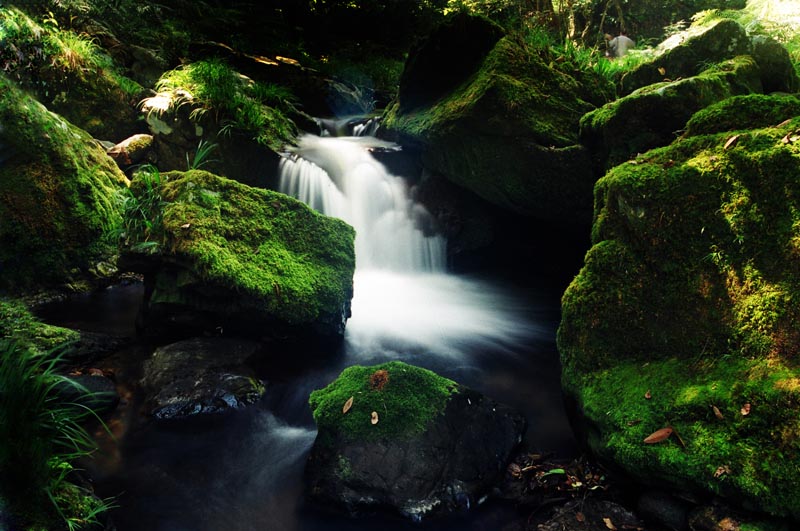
x,y
245,472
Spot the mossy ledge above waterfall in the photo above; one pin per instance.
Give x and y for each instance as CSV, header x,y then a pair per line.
x,y
58,192
687,308
508,129
233,258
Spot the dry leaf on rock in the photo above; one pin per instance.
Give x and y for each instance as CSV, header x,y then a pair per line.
x,y
746,409
579,516
658,436
374,419
647,395
721,471
717,413
731,142
347,405
662,70
610,524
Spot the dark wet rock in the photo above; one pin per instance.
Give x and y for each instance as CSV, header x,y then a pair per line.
x,y
201,377
690,52
777,70
591,515
449,463
663,508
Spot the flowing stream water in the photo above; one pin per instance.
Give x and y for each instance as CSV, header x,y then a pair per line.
x,y
245,472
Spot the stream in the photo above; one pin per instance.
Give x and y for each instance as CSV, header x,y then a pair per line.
x,y
244,472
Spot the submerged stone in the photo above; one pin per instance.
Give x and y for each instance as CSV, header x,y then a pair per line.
x,y
201,377
233,259
685,315
411,442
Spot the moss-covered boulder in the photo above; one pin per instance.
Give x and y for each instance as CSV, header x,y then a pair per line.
x,y
225,256
743,112
401,438
58,197
685,315
653,116
690,52
505,129
777,70
70,74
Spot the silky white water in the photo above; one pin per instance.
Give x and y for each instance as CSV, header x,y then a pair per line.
x,y
402,291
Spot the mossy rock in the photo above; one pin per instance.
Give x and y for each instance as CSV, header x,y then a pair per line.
x,y
507,131
690,52
743,112
777,70
652,116
244,259
58,196
685,315
407,398
71,75
410,441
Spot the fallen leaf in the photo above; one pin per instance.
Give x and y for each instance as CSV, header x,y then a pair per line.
x,y
785,122
717,413
746,409
347,405
787,139
721,471
514,470
374,417
647,395
610,524
579,516
662,70
658,436
731,142
186,225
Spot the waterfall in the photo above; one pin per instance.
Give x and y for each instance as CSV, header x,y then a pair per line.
x,y
339,177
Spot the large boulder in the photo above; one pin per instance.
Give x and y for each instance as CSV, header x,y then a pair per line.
x,y
223,256
685,314
503,125
777,69
690,52
653,116
58,197
411,442
201,377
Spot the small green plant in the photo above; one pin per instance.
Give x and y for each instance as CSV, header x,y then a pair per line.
x,y
142,209
41,435
201,155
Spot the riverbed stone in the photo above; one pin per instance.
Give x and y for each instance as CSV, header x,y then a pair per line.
x,y
201,377
412,442
236,260
685,315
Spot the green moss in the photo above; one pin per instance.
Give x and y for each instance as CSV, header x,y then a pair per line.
x,y
19,325
743,112
407,403
651,116
57,195
70,74
266,245
237,102
692,291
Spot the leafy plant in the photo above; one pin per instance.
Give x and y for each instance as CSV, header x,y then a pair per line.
x,y
41,435
142,209
201,155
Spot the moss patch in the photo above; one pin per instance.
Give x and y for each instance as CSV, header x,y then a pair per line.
x,y
406,402
266,246
57,195
692,291
744,112
19,325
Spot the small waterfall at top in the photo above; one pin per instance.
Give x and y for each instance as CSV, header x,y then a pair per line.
x,y
339,177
